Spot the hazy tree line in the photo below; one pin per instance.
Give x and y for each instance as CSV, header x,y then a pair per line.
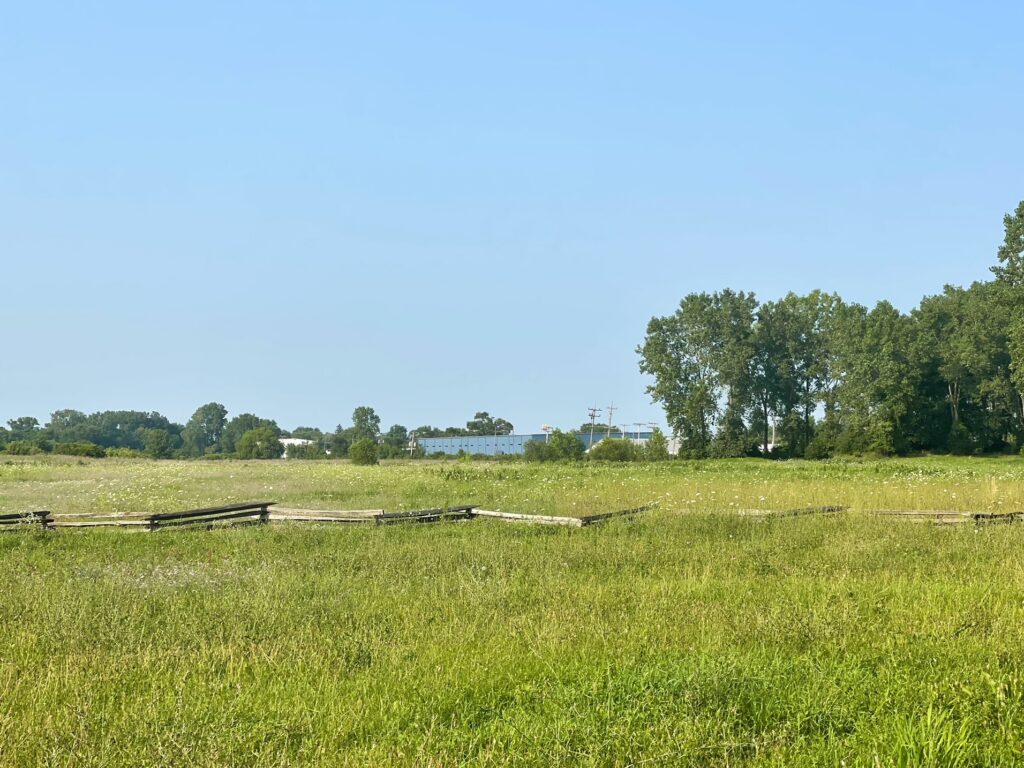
x,y
210,434
392,443
481,424
827,377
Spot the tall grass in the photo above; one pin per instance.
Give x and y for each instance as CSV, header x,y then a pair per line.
x,y
676,639
83,485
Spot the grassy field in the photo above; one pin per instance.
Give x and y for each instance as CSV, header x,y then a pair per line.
x,y
689,636
112,485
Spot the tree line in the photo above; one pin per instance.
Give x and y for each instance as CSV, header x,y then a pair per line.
x,y
209,433
814,376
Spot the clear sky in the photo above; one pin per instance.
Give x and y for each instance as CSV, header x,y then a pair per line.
x,y
437,208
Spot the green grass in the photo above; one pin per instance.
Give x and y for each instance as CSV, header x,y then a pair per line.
x,y
689,636
85,485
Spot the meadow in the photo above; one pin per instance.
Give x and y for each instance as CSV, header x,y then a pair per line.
x,y
691,635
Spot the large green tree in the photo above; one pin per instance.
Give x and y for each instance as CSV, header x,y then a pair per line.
x,y
484,424
205,429
679,352
805,366
23,428
880,384
157,443
395,442
733,315
241,424
365,424
1010,278
963,333
1011,253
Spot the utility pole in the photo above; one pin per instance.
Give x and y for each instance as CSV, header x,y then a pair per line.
x,y
594,413
611,412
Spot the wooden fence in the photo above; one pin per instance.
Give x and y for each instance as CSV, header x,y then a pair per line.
x,y
572,522
952,517
260,512
250,512
827,509
11,520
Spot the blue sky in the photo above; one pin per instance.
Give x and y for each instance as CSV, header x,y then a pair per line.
x,y
434,208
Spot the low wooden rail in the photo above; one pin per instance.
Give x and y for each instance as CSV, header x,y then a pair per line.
x,y
602,516
826,509
250,511
259,512
983,518
427,515
289,514
12,520
571,522
101,520
937,516
951,517
518,517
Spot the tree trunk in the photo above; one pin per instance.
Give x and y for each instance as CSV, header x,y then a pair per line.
x,y
764,409
954,401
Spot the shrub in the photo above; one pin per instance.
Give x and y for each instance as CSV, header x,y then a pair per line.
x,y
818,448
536,450
560,446
613,450
732,446
657,447
960,440
22,448
157,443
80,449
363,451
566,445
881,436
827,441
306,452
259,443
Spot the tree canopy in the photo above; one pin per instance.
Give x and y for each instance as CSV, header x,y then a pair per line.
x,y
825,376
259,443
